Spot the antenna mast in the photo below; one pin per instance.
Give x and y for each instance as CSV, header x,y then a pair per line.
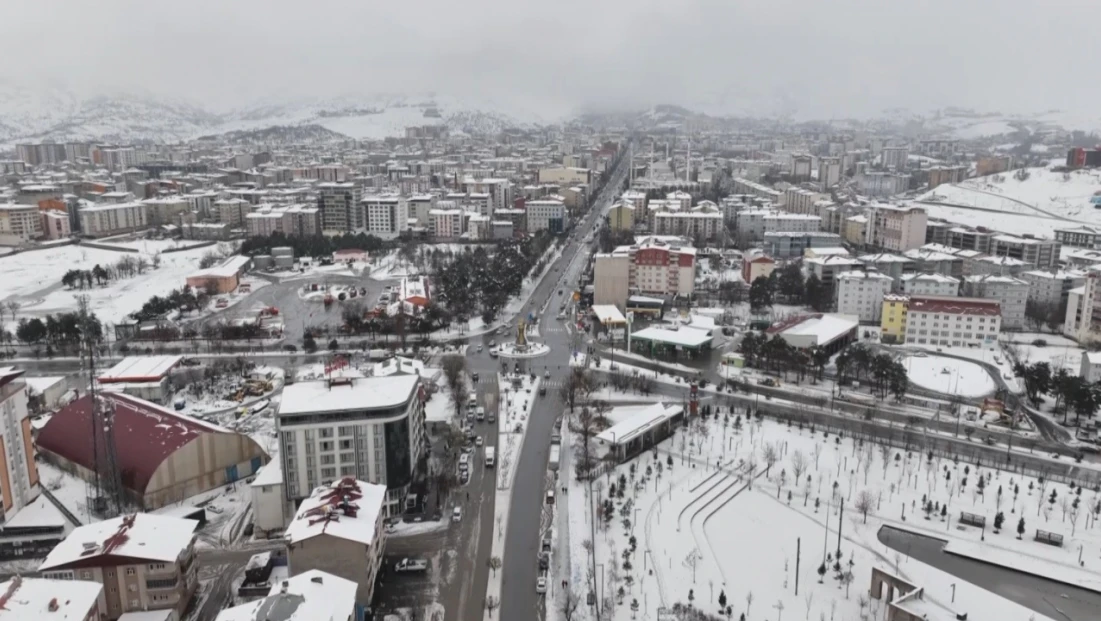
x,y
105,496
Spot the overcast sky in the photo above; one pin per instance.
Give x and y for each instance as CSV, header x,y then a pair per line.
x,y
814,57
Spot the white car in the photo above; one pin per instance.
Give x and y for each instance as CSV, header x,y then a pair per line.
x,y
478,441
457,514
541,584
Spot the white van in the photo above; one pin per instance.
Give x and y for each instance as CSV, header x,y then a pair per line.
x,y
464,461
472,400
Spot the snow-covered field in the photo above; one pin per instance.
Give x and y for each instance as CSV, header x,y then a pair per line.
x,y
685,532
1016,224
949,375
1060,352
34,279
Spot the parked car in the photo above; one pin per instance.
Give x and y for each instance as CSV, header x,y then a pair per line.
x,y
411,565
541,584
457,514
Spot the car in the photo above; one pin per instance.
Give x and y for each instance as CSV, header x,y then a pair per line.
x,y
544,560
541,584
464,477
457,514
479,351
478,441
493,353
410,565
493,343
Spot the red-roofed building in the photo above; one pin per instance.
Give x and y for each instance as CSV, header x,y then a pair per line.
x,y
953,322
163,456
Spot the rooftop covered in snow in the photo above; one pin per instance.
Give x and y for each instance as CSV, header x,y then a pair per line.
x,y
348,509
123,540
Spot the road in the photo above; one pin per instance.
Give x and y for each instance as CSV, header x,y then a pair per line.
x,y
520,569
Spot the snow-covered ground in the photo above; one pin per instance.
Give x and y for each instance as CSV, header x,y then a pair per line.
x,y
1060,352
34,279
1015,224
684,531
949,375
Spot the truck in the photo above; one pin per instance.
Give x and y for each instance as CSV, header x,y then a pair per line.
x,y
555,453
410,565
491,456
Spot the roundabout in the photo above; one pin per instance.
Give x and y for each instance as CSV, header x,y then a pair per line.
x,y
521,347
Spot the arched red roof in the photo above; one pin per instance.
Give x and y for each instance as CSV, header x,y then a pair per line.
x,y
145,435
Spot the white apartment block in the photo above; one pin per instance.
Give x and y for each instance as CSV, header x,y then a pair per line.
x,y
370,428
19,224
545,215
798,200
18,474
418,207
883,184
895,228
445,223
829,172
231,211
745,186
109,219
953,322
860,293
895,158
385,215
930,284
652,267
1052,287
791,223
684,199
1011,292
707,224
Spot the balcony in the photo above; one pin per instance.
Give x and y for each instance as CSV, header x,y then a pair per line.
x,y
162,584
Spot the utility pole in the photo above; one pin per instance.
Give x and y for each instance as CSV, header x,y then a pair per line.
x,y
840,515
798,543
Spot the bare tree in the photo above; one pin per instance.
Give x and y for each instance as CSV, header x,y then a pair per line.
x,y
494,564
568,605
748,602
809,598
865,504
770,454
799,464
492,602
817,453
578,386
13,308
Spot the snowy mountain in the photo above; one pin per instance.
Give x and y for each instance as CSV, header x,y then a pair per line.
x,y
278,135
33,115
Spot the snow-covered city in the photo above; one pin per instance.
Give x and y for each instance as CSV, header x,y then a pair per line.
x,y
486,332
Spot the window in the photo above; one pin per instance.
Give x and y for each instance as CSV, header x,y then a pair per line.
x,y
133,603
324,433
133,588
345,445
328,460
326,446
347,457
328,473
87,575
129,571
114,590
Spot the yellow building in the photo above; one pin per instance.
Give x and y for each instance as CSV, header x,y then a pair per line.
x,y
855,230
892,321
621,217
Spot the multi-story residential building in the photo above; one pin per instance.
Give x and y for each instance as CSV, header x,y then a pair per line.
x,y
895,158
1011,292
828,268
892,322
938,147
1079,237
883,184
385,215
371,428
201,202
939,175
684,199
856,230
893,265
144,561
621,217
786,245
798,200
166,210
929,260
19,485
1040,253
652,266
1083,319
754,267
112,218
340,208
565,175
19,224
548,215
636,198
702,221
445,223
829,172
418,207
745,186
968,238
231,211
860,293
340,529
801,164
1052,287
55,224
993,164
38,599
929,283
953,322
895,228
40,154
999,266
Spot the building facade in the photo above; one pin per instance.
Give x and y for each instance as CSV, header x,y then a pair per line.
x,y
339,204
895,228
1011,293
860,293
930,284
19,485
953,322
546,215
111,218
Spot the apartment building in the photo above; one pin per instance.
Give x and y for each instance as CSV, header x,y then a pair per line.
x,y
993,164
745,186
112,218
1011,293
652,266
953,322
860,293
385,215
19,484
545,215
636,198
933,261
929,283
231,211
144,561
565,175
703,221
883,184
787,245
752,224
892,322
621,217
1079,237
798,200
19,224
55,224
827,269
754,267
165,210
895,158
370,428
341,212
1039,253
1052,287
829,172
894,227
978,239
445,223
939,175
1083,319
340,529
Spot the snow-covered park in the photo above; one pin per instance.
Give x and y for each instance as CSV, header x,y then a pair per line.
x,y
728,514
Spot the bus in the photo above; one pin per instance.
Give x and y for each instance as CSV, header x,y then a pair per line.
x,y
491,454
